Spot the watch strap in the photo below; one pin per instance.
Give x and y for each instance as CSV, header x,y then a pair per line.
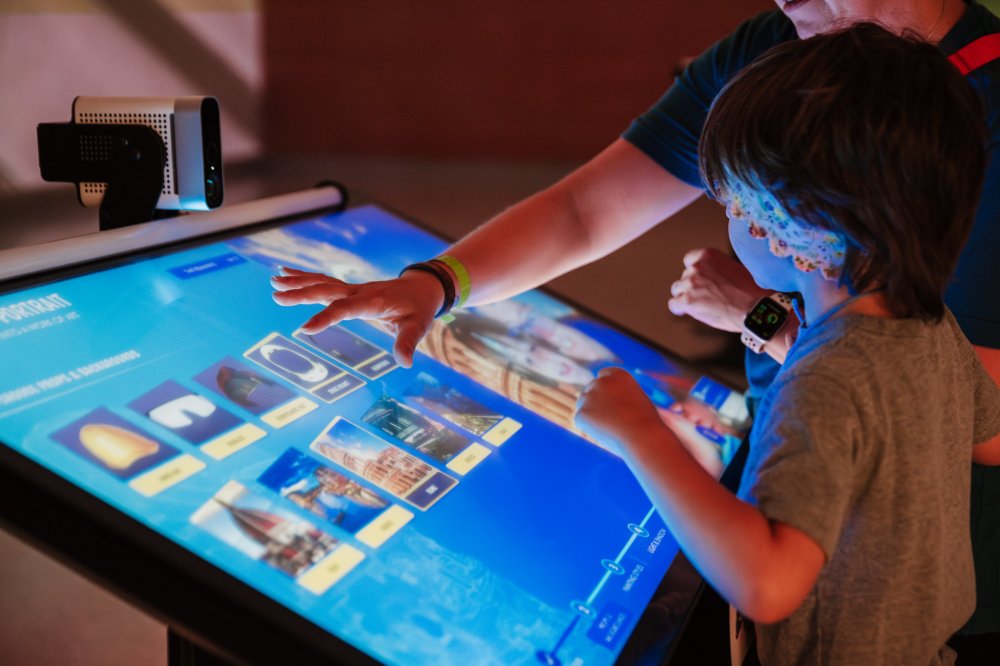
x,y
755,343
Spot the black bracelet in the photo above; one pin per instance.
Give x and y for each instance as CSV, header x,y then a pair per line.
x,y
443,274
443,277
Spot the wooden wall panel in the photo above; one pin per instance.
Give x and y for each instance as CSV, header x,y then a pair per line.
x,y
522,79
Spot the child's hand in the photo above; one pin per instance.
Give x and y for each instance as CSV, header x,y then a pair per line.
x,y
613,410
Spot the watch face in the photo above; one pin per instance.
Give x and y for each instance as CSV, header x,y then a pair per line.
x,y
766,318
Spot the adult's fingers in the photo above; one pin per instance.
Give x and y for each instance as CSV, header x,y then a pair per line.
x,y
408,336
678,305
286,282
681,286
317,293
693,256
350,307
287,270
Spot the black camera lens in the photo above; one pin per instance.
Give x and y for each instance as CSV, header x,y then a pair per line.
x,y
211,188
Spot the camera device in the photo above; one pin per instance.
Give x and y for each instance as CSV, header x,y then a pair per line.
x,y
134,156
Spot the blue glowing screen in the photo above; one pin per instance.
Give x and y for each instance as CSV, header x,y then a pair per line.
x,y
444,514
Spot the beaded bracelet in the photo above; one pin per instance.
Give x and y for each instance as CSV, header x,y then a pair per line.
x,y
443,277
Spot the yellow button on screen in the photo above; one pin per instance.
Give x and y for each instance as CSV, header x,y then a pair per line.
x,y
168,474
468,458
502,431
329,570
233,441
379,530
282,416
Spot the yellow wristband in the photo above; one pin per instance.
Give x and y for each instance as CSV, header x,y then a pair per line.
x,y
464,283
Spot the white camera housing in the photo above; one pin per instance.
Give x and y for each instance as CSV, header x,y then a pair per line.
x,y
189,127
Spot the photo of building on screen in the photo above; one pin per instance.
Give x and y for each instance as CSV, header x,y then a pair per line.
x,y
428,392
412,428
325,493
253,525
381,463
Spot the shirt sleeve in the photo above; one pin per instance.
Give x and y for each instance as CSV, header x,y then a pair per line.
x,y
669,131
801,465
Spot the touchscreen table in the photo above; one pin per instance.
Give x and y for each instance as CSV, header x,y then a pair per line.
x,y
444,514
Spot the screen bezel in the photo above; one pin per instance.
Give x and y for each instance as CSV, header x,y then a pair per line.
x,y
174,585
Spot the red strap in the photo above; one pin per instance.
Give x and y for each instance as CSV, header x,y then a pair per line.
x,y
975,54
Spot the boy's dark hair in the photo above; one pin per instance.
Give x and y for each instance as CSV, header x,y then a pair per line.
x,y
866,133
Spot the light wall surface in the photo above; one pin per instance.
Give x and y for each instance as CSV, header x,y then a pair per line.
x,y
54,50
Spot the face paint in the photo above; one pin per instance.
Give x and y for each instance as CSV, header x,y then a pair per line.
x,y
809,247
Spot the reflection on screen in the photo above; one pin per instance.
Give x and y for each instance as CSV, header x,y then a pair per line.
x,y
448,513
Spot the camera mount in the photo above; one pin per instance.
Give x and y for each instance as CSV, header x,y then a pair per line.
x,y
129,158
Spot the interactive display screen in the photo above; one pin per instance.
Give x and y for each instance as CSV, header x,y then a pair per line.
x,y
444,514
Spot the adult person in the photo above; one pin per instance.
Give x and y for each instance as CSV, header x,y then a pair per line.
x,y
650,173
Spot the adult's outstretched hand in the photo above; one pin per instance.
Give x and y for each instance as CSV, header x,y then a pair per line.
x,y
404,306
715,289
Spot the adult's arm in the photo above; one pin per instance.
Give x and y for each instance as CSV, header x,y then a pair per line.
x,y
629,187
612,199
718,290
596,209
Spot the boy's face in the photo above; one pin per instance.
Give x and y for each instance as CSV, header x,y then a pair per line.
x,y
777,249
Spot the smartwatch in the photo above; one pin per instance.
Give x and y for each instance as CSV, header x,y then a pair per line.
x,y
764,320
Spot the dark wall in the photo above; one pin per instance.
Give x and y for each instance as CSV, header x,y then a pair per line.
x,y
462,78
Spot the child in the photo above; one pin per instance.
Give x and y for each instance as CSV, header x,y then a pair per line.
x,y
850,164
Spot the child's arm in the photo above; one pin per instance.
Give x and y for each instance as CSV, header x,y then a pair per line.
x,y
988,452
764,568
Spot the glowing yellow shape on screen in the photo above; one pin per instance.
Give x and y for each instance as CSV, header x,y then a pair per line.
x,y
116,447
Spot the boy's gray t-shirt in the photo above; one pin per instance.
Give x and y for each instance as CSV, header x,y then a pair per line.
x,y
864,443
